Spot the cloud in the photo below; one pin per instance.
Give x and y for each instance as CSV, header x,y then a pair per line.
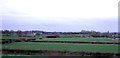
x,y
63,8
65,24
60,15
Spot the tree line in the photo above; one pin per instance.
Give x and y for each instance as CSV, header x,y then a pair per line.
x,y
91,33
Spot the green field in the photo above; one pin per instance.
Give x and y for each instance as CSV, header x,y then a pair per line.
x,y
64,35
79,39
15,37
62,46
73,47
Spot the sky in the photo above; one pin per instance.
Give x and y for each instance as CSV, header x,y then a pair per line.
x,y
60,15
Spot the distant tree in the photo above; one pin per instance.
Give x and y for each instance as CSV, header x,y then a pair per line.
x,y
12,32
37,35
25,33
7,32
93,33
107,34
19,33
99,33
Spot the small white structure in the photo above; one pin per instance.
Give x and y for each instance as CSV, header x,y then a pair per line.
x,y
34,33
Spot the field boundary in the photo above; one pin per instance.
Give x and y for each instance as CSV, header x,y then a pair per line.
x,y
56,52
75,42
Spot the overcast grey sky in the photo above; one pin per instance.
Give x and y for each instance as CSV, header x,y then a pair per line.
x,y
60,15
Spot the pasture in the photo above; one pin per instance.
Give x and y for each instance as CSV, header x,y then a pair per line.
x,y
79,39
72,47
104,48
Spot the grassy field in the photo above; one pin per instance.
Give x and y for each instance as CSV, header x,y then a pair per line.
x,y
73,47
15,37
42,35
62,46
79,39
65,35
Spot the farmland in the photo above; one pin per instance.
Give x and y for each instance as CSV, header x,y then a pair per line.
x,y
79,39
15,37
62,46
65,35
59,44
